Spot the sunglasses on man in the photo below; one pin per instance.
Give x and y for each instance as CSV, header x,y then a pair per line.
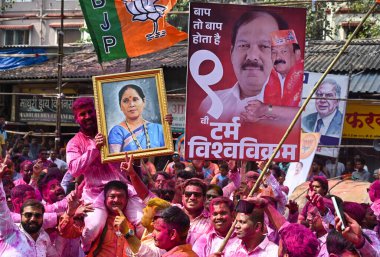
x,y
189,194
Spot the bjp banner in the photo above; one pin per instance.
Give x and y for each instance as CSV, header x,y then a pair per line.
x,y
121,29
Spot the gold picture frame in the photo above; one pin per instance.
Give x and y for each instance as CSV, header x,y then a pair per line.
x,y
120,121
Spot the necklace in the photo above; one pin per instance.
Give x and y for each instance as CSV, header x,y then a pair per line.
x,y
135,138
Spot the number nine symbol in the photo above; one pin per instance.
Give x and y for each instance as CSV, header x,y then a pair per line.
x,y
205,81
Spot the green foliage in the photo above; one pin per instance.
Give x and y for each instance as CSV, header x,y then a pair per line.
x,y
368,30
317,25
360,6
371,28
180,20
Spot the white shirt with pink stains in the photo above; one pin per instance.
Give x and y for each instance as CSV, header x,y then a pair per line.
x,y
15,241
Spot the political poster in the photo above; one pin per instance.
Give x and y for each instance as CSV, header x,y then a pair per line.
x,y
325,112
298,171
245,76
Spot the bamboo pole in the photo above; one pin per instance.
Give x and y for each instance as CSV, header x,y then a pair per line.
x,y
57,139
262,174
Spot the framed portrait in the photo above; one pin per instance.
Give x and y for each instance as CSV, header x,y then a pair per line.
x,y
131,108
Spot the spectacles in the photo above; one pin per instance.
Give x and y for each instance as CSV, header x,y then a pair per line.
x,y
208,196
189,194
29,215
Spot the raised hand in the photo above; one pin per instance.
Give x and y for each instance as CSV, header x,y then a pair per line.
x,y
121,223
83,209
73,201
310,193
317,201
3,167
292,206
127,165
259,202
352,232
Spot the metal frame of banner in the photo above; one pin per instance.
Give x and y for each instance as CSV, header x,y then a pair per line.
x,y
269,161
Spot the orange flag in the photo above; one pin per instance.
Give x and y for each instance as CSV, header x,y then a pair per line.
x,y
121,29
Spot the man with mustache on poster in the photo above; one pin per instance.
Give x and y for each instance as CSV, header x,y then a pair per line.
x,y
251,59
286,87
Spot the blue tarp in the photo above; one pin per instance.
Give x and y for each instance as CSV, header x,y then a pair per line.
x,y
8,63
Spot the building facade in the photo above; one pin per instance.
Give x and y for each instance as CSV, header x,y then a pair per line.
x,y
36,22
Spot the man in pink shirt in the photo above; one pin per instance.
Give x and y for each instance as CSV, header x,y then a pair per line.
x,y
21,193
250,231
28,238
295,239
26,171
54,196
193,198
222,216
83,158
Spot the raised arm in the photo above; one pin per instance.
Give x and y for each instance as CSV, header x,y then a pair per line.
x,y
276,218
78,160
354,234
127,167
75,208
7,226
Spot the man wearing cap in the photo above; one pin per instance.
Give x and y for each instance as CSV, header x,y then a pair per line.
x,y
286,88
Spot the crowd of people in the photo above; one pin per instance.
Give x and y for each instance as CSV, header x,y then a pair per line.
x,y
78,206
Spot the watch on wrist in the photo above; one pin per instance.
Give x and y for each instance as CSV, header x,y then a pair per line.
x,y
130,233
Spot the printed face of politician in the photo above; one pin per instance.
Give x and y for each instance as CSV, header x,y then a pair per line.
x,y
283,58
251,54
132,105
324,105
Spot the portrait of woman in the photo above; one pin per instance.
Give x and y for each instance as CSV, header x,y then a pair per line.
x,y
134,132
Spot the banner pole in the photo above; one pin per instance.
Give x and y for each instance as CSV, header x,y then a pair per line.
x,y
262,174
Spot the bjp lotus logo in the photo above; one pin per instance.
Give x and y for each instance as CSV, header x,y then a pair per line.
x,y
143,10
